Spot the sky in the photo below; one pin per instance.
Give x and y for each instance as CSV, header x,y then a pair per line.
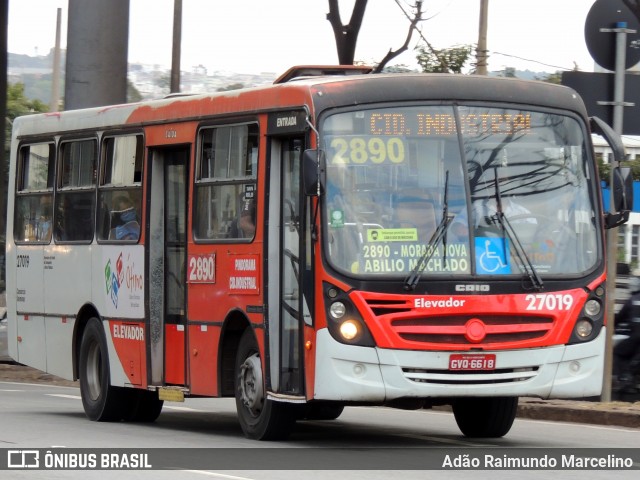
x,y
252,36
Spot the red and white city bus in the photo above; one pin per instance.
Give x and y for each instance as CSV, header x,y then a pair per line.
x,y
329,240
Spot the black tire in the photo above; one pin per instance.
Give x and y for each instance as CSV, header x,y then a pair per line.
x,y
485,417
259,417
145,406
101,401
320,410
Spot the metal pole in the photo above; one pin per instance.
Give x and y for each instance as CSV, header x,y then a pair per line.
x,y
54,103
612,233
618,90
481,53
177,40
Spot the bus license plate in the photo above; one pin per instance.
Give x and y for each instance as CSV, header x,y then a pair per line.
x,y
461,361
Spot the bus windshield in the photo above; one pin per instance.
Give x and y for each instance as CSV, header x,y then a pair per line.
x,y
458,190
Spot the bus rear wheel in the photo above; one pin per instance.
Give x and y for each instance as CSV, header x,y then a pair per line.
x,y
101,401
259,417
485,417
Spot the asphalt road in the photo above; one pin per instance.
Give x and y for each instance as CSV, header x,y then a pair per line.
x,y
622,413
364,443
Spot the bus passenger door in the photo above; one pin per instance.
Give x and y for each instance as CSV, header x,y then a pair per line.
x,y
167,263
287,271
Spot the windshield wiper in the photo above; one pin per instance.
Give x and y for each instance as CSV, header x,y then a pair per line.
x,y
440,234
525,262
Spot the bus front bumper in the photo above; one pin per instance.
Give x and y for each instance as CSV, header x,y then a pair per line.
x,y
361,374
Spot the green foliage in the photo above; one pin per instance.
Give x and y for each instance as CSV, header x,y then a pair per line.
x,y
604,169
552,78
635,168
17,105
446,60
400,68
164,82
508,72
232,86
133,94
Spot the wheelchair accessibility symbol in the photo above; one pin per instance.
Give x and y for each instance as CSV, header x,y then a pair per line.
x,y
492,255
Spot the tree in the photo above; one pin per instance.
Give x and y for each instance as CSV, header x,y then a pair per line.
x,y
394,53
231,86
446,60
17,105
604,168
508,72
133,94
347,35
163,80
551,78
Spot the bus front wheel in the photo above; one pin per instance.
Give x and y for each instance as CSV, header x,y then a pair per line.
x,y
101,401
485,417
260,418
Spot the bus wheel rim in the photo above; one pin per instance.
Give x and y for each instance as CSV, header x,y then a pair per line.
x,y
94,360
251,389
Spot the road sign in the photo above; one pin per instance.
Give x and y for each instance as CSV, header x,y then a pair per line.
x,y
598,87
602,45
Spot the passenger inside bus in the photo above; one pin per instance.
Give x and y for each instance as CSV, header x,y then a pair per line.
x,y
416,211
124,220
43,224
247,221
483,212
245,224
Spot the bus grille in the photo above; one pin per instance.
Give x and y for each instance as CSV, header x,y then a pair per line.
x,y
457,330
448,377
466,330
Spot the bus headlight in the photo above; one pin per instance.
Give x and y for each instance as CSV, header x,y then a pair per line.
x,y
592,308
349,330
583,328
590,319
344,321
337,310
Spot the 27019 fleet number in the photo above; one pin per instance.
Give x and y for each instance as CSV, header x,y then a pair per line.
x,y
549,301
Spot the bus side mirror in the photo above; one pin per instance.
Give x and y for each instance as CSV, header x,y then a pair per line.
x,y
622,197
622,178
612,138
313,172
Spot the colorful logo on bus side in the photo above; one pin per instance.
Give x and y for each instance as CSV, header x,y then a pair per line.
x,y
122,281
114,278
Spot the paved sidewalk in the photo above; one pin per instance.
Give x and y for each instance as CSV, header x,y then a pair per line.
x,y
623,414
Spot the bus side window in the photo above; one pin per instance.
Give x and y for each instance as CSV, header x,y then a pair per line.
x,y
226,183
75,200
120,188
32,215
74,217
